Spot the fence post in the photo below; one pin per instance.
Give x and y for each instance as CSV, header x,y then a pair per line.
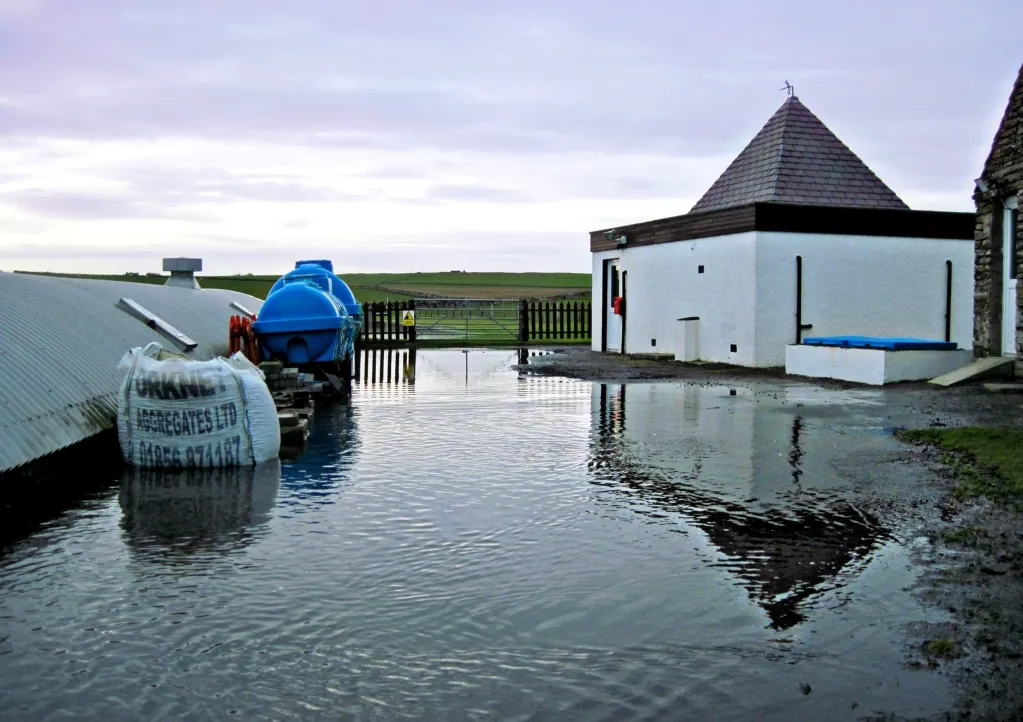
x,y
412,330
523,321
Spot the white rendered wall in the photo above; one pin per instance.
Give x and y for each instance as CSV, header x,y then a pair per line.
x,y
664,284
860,285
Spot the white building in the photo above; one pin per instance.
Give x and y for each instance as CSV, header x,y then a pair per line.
x,y
797,238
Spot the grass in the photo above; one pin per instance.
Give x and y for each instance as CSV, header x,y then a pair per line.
x,y
988,461
942,648
402,286
963,535
482,291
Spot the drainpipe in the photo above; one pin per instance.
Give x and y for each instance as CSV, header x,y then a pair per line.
x,y
948,300
800,326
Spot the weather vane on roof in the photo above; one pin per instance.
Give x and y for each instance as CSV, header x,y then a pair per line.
x,y
790,88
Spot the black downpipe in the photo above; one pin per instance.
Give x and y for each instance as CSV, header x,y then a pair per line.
x,y
948,300
800,326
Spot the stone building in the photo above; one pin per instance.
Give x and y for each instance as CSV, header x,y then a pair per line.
x,y
998,238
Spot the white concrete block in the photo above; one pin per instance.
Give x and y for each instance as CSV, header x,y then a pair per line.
x,y
871,366
687,339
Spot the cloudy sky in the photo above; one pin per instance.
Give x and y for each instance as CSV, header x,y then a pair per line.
x,y
442,134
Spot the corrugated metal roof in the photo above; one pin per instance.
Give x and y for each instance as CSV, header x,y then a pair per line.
x,y
61,340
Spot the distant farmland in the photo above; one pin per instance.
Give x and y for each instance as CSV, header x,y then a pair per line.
x,y
403,286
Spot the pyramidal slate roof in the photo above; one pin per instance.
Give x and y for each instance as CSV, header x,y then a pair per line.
x,y
795,158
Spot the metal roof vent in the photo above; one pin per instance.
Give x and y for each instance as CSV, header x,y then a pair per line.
x,y
182,271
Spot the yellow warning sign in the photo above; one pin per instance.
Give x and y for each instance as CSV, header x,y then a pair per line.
x,y
408,318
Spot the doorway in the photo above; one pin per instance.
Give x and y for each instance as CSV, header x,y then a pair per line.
x,y
613,326
1009,264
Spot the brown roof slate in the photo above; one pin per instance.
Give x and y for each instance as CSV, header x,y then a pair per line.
x,y
796,159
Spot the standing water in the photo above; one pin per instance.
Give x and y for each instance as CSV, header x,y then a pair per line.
x,y
463,542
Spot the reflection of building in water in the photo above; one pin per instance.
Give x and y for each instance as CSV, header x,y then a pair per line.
x,y
751,491
330,453
179,513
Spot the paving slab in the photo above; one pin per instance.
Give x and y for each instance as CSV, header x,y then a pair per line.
x,y
981,368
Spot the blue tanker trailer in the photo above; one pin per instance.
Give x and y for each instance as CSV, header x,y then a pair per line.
x,y
310,319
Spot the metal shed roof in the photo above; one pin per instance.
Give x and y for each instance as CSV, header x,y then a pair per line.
x,y
61,340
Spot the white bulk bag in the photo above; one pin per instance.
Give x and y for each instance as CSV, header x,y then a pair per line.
x,y
176,413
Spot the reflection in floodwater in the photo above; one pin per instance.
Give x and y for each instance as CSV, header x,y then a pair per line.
x,y
331,449
385,366
173,515
784,545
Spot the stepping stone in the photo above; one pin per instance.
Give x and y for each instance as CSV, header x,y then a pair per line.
x,y
288,418
291,434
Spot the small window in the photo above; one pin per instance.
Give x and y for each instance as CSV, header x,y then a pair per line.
x,y
653,342
699,269
733,348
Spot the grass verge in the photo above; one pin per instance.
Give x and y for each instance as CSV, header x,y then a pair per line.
x,y
988,461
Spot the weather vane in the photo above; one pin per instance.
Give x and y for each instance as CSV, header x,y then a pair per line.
x,y
790,88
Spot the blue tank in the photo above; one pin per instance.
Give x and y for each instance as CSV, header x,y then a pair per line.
x,y
321,273
310,316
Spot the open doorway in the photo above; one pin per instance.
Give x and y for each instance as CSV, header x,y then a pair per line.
x,y
612,334
1009,267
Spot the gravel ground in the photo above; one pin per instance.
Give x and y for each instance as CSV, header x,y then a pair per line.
x,y
970,553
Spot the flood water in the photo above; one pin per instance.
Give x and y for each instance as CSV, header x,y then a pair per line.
x,y
462,542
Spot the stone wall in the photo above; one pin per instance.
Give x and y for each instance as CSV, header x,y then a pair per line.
x,y
1003,175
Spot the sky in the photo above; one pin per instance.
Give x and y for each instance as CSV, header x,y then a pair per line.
x,y
453,134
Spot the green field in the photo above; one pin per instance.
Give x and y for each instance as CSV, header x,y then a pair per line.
x,y
370,287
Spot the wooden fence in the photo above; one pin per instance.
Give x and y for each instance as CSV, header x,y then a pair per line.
x,y
476,321
382,322
554,320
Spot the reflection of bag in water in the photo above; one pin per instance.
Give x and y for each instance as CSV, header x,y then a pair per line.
x,y
174,413
206,508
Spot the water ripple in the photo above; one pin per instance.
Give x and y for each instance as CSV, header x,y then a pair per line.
x,y
475,544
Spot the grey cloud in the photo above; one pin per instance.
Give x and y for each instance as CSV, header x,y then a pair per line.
x,y
170,194
538,77
92,206
476,193
532,78
198,185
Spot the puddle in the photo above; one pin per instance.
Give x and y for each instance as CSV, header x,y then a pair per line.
x,y
465,541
